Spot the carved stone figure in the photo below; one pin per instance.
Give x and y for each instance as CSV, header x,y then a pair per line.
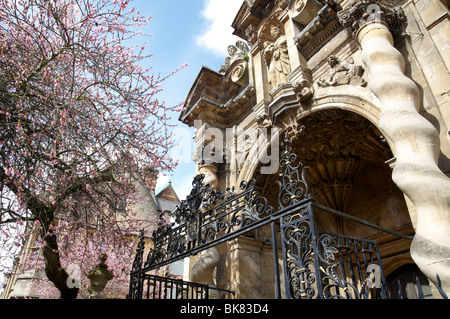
x,y
303,89
276,57
224,68
263,121
343,72
235,52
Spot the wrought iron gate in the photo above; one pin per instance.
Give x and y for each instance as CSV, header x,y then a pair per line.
x,y
316,265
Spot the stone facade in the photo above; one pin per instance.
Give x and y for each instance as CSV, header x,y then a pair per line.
x,y
362,86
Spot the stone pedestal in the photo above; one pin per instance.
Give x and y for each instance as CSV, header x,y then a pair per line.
x,y
245,274
99,277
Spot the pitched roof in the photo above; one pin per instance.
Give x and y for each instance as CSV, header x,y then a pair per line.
x,y
167,199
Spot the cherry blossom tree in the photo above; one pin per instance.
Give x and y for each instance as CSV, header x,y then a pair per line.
x,y
81,130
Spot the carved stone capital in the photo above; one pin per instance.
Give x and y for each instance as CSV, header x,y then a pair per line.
x,y
361,12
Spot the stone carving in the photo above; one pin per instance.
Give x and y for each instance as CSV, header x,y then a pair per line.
x,y
300,5
209,172
239,72
304,11
235,52
250,34
224,68
359,13
263,121
303,89
343,72
319,24
276,57
244,145
335,150
293,130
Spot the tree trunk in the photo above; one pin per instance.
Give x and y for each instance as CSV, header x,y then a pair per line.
x,y
55,273
45,215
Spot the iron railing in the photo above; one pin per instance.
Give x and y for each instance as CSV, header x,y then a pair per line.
x,y
156,287
316,265
418,289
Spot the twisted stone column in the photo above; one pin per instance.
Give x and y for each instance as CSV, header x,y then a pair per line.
x,y
415,140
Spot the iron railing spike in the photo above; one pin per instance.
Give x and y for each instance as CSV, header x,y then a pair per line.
x,y
400,294
419,288
439,287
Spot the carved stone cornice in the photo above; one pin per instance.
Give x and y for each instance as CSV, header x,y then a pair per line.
x,y
219,98
318,31
361,12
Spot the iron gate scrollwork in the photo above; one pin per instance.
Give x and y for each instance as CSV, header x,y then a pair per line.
x,y
316,265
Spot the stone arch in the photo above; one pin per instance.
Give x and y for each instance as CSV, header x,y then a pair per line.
x,y
356,179
355,99
350,98
395,263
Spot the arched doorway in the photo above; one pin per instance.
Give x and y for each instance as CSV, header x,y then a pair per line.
x,y
320,255
349,170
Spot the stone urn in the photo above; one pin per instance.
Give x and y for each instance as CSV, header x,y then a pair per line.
x,y
99,277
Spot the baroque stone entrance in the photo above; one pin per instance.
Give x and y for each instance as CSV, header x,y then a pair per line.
x,y
315,264
303,64
349,170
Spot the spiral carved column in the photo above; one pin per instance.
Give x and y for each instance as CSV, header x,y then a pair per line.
x,y
416,146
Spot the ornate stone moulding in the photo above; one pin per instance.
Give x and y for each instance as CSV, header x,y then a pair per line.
x,y
304,11
319,31
359,13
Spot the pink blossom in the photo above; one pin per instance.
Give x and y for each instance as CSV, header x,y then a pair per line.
x,y
85,118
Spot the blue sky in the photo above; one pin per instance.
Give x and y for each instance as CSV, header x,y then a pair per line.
x,y
196,32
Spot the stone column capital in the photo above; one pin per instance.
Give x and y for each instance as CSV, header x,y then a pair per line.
x,y
362,12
